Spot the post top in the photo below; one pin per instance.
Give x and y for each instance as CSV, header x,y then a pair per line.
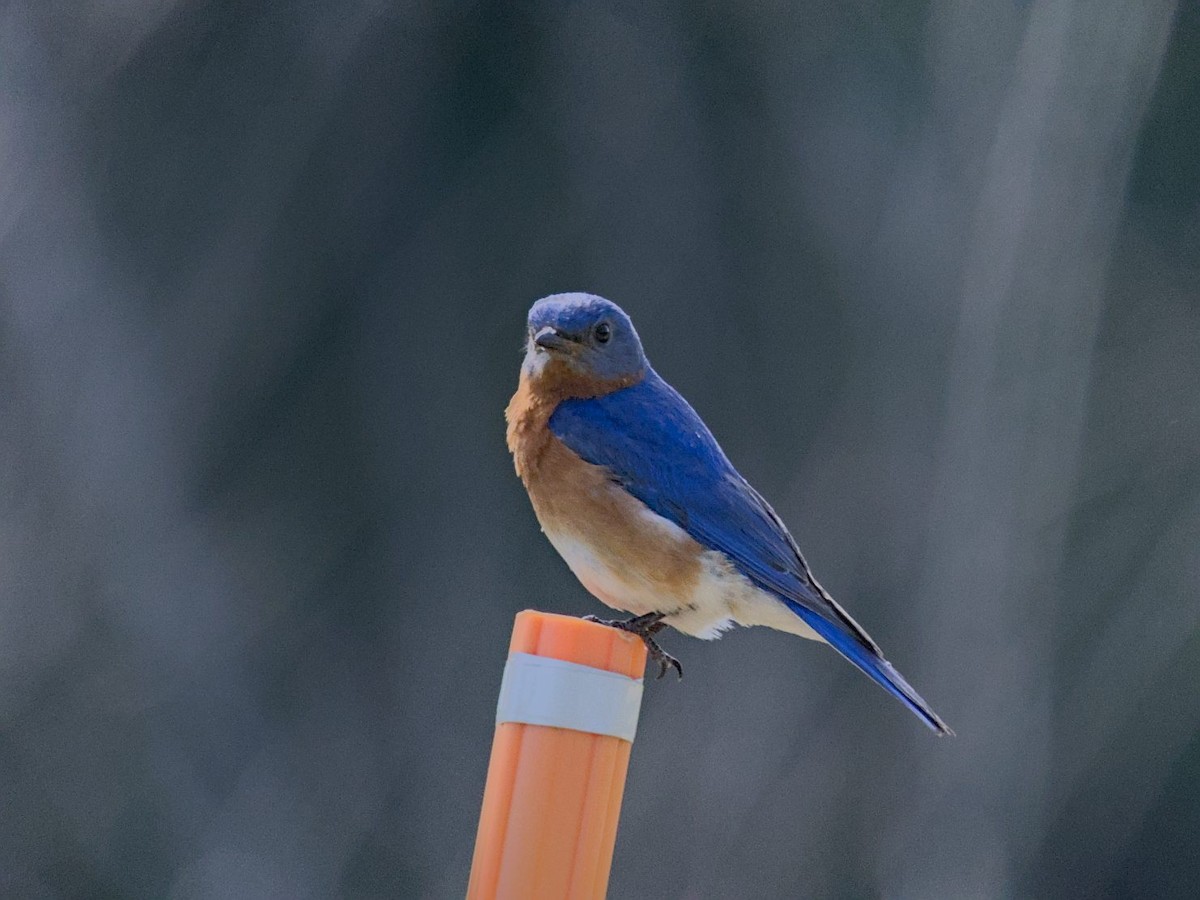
x,y
578,641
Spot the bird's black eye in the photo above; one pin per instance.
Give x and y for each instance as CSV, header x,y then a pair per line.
x,y
603,332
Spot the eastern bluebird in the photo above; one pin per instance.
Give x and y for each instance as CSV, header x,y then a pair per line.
x,y
633,491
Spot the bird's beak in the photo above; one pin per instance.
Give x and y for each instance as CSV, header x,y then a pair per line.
x,y
549,338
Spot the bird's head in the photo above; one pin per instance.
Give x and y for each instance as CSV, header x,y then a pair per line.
x,y
586,338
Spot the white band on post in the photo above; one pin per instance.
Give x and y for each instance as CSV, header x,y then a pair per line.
x,y
538,690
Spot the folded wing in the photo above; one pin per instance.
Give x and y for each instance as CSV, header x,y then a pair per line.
x,y
658,449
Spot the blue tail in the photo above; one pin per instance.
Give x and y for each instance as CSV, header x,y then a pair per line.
x,y
878,668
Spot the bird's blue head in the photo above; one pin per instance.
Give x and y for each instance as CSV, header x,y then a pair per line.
x,y
592,337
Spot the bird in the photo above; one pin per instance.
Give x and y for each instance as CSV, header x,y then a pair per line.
x,y
634,492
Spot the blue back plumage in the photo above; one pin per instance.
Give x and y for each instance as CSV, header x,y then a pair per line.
x,y
661,452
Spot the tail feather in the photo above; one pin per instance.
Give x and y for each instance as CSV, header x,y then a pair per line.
x,y
874,665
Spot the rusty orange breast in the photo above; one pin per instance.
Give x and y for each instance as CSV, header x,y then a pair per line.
x,y
631,551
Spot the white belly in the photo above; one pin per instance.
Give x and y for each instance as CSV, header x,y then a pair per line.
x,y
619,589
720,598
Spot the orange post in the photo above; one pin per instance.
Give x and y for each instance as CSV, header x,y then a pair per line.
x,y
564,728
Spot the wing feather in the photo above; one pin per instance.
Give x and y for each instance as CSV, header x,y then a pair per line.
x,y
658,449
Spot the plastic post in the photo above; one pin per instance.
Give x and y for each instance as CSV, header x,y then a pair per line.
x,y
553,794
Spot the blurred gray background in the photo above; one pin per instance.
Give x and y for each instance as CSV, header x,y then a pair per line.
x,y
930,270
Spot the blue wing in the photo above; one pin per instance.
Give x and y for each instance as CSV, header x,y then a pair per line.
x,y
659,450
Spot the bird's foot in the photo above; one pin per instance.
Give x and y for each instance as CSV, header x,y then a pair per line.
x,y
664,659
645,627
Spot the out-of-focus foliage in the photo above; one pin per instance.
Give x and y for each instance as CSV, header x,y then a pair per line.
x,y
931,271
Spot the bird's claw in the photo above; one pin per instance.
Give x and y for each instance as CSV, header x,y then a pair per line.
x,y
664,659
645,627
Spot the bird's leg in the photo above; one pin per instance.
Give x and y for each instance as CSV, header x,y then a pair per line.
x,y
645,627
